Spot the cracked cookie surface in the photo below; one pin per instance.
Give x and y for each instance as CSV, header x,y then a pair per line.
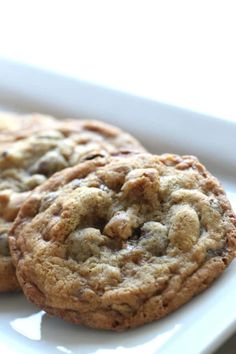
x,y
118,242
34,147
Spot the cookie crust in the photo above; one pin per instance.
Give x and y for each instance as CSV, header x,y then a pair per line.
x,y
118,242
32,148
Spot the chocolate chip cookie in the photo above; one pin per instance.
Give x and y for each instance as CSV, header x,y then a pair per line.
x,y
120,241
34,147
14,126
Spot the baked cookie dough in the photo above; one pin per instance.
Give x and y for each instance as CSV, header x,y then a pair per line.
x,y
34,147
117,242
15,127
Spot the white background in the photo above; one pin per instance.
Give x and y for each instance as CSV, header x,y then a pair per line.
x,y
179,52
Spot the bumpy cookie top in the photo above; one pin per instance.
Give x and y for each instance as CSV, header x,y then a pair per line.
x,y
46,146
14,126
33,147
118,242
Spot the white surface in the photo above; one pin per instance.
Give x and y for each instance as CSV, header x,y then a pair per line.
x,y
180,52
199,326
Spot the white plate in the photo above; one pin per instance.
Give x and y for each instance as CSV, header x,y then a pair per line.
x,y
202,324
